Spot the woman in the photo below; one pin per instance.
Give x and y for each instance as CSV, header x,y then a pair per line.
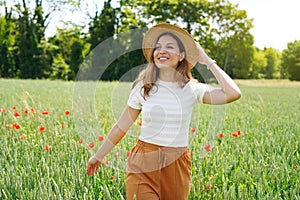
x,y
164,93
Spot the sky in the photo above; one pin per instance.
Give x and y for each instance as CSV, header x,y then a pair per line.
x,y
276,22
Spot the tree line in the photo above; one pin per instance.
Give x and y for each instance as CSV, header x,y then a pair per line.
x,y
219,26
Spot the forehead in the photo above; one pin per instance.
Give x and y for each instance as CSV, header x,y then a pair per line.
x,y
167,39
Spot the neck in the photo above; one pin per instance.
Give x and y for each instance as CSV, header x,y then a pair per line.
x,y
167,75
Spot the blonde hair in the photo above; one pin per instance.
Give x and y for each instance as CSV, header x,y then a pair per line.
x,y
150,74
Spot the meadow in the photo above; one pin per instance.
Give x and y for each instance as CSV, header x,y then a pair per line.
x,y
251,150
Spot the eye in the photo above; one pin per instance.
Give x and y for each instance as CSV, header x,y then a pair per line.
x,y
170,47
157,47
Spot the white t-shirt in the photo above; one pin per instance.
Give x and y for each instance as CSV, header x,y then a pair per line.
x,y
166,112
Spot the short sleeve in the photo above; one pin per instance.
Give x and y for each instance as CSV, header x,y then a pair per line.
x,y
199,90
135,97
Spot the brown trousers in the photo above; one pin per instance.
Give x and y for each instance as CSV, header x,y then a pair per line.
x,y
158,172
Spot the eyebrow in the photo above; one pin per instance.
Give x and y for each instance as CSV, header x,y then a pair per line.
x,y
167,43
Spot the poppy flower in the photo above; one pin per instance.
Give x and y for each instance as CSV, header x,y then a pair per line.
x,y
63,126
17,114
16,126
42,128
294,166
100,138
45,112
235,134
48,147
220,135
2,110
107,162
140,123
26,112
193,130
80,141
22,137
239,132
207,187
67,112
128,153
14,107
91,145
207,148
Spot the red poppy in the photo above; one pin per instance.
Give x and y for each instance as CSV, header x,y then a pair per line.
x,y
17,114
63,126
67,112
16,126
207,148
112,177
48,147
193,130
294,167
207,187
45,112
107,162
100,138
239,132
14,107
234,134
220,135
80,141
42,128
2,110
91,145
128,153
26,112
140,123
22,137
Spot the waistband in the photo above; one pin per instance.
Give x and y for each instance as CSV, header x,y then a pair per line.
x,y
155,147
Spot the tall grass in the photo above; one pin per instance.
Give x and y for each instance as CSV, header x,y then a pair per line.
x,y
263,162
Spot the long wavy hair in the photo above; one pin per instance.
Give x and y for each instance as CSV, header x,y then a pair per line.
x,y
150,74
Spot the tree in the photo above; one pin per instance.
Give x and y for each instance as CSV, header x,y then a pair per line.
x,y
272,69
69,45
102,26
291,60
259,63
7,62
219,26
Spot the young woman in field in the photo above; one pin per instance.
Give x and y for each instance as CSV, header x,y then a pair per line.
x,y
164,94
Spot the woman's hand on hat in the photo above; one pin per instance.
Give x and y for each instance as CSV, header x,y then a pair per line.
x,y
203,58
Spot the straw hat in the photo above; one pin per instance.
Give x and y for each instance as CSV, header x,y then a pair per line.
x,y
150,38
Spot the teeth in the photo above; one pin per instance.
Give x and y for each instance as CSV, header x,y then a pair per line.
x,y
163,58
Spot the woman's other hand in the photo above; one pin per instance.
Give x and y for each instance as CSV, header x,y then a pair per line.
x,y
93,166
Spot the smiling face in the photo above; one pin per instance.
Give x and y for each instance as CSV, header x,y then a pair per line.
x,y
167,53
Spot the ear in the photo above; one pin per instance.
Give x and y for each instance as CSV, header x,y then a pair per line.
x,y
181,55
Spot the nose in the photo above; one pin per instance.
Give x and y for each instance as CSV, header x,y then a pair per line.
x,y
162,50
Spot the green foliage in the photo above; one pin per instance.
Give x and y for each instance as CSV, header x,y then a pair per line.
x,y
60,69
219,26
291,60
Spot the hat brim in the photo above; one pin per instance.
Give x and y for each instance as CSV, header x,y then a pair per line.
x,y
150,38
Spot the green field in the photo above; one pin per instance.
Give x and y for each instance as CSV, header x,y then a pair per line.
x,y
263,162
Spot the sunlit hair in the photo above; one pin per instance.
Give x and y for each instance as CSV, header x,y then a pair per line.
x,y
150,74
